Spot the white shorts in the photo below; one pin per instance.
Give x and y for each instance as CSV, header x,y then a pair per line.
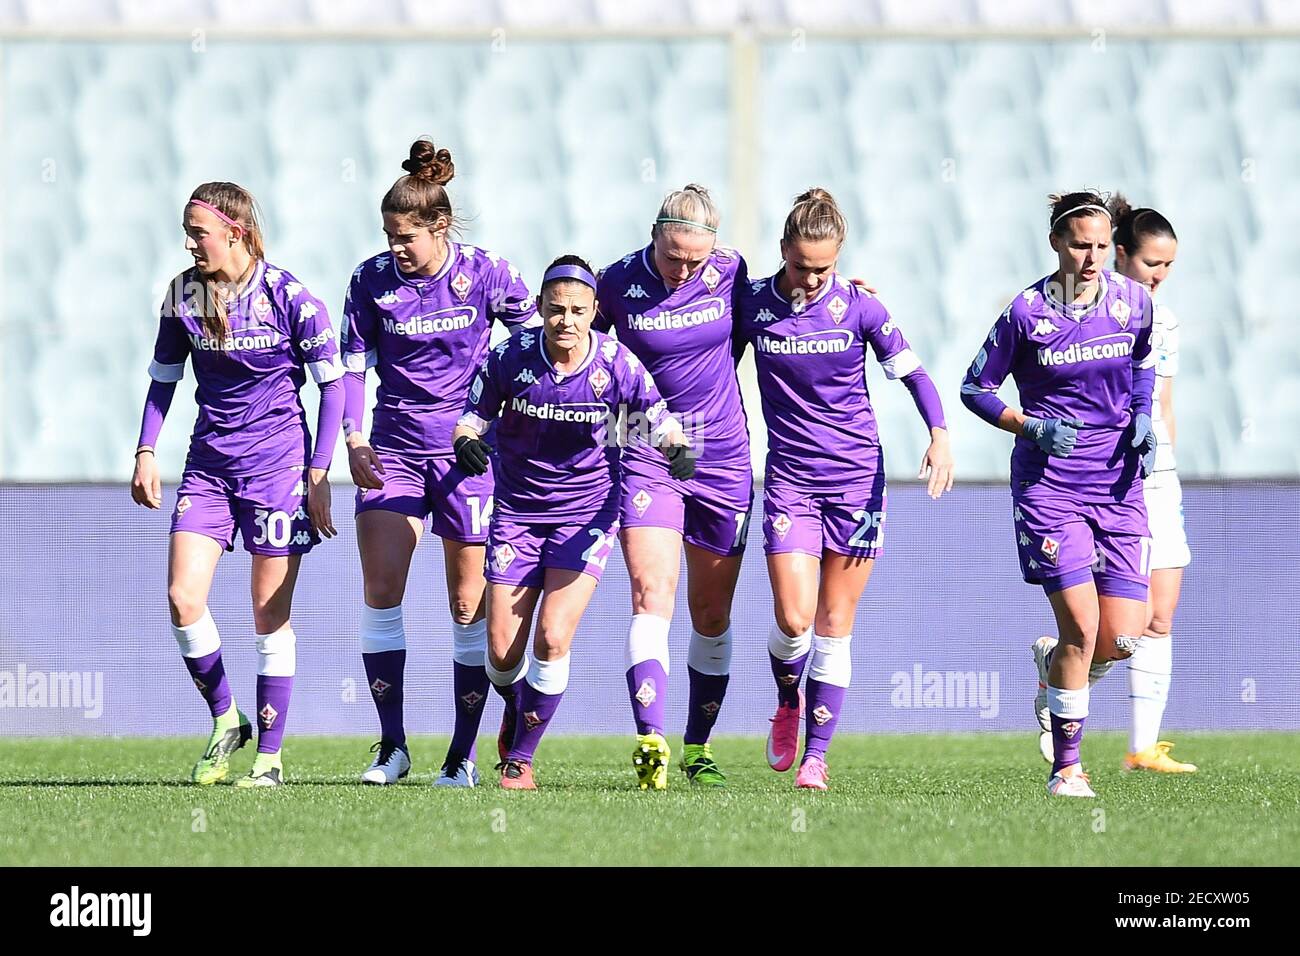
x,y
1164,498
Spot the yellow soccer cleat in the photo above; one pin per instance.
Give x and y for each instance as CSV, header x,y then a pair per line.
x,y
1157,758
650,760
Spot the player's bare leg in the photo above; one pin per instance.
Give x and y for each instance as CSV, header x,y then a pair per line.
x,y
274,577
465,588
653,557
1149,671
1078,616
710,588
191,562
386,540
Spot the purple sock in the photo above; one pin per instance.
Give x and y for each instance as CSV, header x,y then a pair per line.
x,y
471,687
272,711
510,697
1067,734
706,694
535,712
384,672
647,683
825,701
788,674
210,678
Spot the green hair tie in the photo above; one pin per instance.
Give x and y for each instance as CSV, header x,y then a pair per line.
x,y
687,222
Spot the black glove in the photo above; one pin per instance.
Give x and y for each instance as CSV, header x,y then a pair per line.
x,y
1056,436
681,463
472,455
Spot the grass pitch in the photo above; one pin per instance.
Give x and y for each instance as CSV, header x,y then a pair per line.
x,y
908,799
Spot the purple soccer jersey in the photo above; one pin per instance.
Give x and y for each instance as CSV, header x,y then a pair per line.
x,y
1073,362
557,458
820,424
684,336
250,419
426,336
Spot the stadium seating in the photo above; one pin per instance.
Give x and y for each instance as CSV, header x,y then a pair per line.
x,y
941,152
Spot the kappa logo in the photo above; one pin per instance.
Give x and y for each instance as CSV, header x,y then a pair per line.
x,y
308,311
1033,565
599,380
646,693
531,720
1051,549
292,289
711,277
469,251
183,505
993,335
1120,312
1071,728
641,501
503,555
765,316
261,307
711,708
471,700
267,716
1024,540
379,687
1045,327
460,285
635,292
388,298
633,362
781,525
649,381
1029,295
526,376
837,307
609,350
300,488
1019,515
822,714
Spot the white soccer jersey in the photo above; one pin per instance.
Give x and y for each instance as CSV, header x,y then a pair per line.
x,y
1164,342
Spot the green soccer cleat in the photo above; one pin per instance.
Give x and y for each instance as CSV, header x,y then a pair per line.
x,y
229,732
650,760
700,767
267,772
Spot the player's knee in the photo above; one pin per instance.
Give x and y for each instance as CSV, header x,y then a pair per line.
x,y
270,614
385,593
792,623
552,641
462,611
1160,624
835,622
185,604
710,619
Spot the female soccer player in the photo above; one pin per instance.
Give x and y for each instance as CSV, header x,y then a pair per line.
x,y
252,332
421,314
824,490
558,480
1078,344
1145,247
671,305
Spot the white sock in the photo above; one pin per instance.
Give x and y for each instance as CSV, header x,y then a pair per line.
x,y
550,677
1067,704
710,655
785,648
277,654
1149,671
506,678
831,661
198,639
382,629
647,640
469,643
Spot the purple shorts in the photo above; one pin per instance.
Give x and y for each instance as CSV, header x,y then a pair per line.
x,y
849,520
711,510
519,551
270,510
1063,543
461,504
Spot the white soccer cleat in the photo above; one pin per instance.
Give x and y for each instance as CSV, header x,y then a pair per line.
x,y
464,774
392,762
1072,785
1042,648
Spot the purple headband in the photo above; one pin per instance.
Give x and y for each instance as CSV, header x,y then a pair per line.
x,y
570,272
215,211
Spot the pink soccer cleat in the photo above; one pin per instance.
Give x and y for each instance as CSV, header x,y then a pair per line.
x,y
813,774
783,736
